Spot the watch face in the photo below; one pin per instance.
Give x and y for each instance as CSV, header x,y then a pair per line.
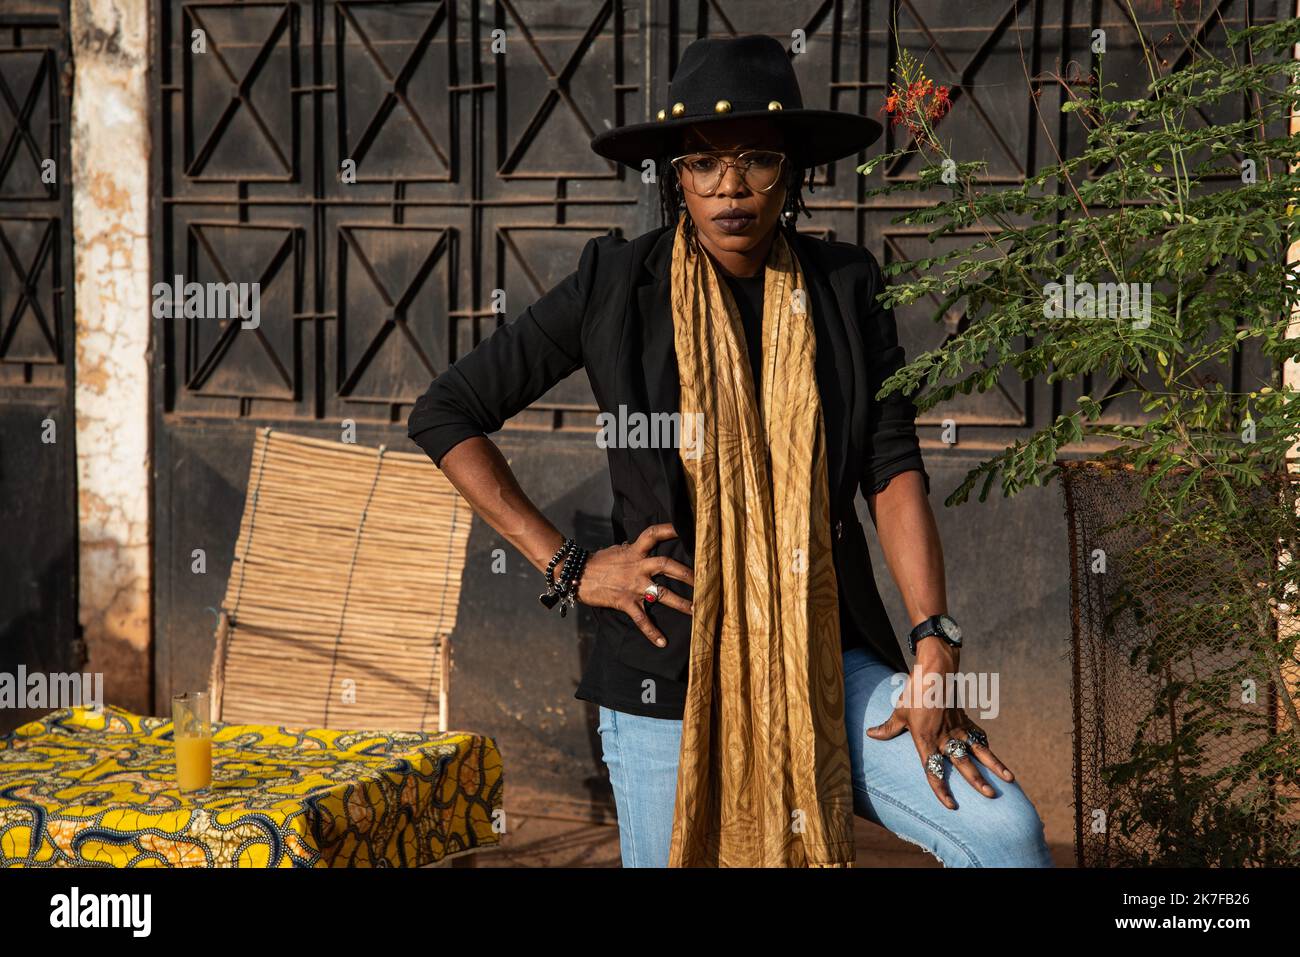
x,y
950,628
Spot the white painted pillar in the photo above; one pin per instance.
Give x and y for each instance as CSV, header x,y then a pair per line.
x,y
110,211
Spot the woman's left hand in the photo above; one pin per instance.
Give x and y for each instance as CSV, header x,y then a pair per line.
x,y
932,727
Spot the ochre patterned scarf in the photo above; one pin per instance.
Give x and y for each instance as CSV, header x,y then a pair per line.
x,y
764,776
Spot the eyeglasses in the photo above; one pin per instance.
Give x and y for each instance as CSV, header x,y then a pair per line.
x,y
702,173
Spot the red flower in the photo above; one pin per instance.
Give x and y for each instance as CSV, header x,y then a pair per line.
x,y
940,105
916,103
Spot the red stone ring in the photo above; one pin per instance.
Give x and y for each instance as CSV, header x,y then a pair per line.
x,y
652,594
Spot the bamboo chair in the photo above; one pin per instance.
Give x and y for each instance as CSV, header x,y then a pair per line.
x,y
343,591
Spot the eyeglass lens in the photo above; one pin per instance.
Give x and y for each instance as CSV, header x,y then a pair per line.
x,y
704,171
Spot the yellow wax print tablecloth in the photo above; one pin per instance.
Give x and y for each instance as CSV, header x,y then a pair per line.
x,y
85,789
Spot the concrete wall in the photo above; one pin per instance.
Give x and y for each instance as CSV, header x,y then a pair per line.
x,y
110,180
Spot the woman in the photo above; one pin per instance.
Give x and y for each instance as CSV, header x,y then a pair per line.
x,y
744,663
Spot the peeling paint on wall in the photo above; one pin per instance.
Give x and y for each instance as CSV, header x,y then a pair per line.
x,y
110,179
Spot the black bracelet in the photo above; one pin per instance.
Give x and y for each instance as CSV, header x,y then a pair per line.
x,y
552,595
572,578
565,591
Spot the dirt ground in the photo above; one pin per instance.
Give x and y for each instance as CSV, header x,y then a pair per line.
x,y
537,841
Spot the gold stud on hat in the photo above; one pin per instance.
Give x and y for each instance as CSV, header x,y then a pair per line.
x,y
679,109
722,106
774,105
660,115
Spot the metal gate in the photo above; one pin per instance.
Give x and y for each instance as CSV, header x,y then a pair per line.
x,y
38,493
473,180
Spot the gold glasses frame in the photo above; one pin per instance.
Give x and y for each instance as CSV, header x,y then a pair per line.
x,y
728,164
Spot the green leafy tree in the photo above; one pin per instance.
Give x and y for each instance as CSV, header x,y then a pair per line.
x,y
1150,259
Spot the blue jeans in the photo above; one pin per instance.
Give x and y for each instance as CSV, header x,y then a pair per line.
x,y
889,784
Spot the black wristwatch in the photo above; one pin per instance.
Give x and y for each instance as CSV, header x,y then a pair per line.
x,y
940,625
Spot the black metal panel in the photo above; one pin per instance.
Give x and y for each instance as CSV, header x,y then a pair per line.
x,y
467,181
38,495
473,175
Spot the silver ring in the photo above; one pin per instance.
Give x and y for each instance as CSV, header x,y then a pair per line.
x,y
976,736
956,749
934,764
652,594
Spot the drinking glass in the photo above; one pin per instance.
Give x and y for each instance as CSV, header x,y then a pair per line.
x,y
192,734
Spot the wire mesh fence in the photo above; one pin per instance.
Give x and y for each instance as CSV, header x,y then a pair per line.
x,y
1185,676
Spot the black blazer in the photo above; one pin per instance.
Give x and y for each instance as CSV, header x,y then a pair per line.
x,y
612,316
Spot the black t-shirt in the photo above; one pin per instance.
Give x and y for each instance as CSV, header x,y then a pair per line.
x,y
748,293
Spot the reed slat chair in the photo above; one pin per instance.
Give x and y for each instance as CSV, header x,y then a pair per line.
x,y
343,590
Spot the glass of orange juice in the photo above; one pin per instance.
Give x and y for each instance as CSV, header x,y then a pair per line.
x,y
192,734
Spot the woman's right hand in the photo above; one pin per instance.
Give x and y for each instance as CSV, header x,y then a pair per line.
x,y
618,576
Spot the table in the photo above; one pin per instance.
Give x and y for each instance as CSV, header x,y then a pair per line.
x,y
84,788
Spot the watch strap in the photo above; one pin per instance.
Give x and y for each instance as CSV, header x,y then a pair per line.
x,y
931,626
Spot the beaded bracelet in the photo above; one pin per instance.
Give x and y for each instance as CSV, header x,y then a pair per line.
x,y
564,592
570,579
552,593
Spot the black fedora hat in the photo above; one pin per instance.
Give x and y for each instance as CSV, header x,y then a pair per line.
x,y
726,78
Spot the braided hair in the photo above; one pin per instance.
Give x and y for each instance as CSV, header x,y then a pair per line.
x,y
672,201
